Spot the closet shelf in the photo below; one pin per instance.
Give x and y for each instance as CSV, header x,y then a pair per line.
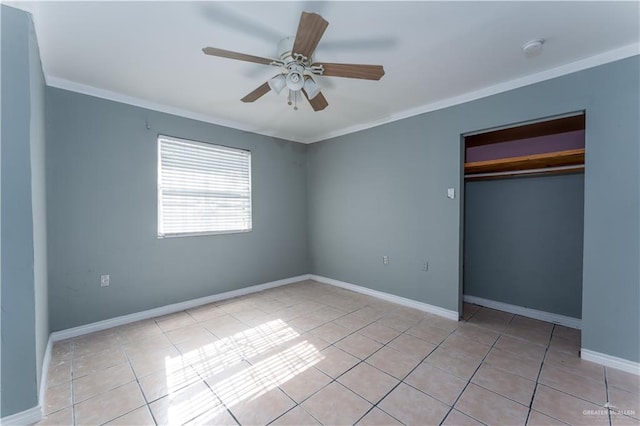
x,y
538,162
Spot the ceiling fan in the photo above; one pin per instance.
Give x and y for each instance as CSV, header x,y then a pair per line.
x,y
297,67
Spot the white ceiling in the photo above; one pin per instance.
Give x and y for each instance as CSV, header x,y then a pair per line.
x,y
434,53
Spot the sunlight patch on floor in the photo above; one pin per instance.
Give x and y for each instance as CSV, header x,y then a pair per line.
x,y
265,375
220,364
215,357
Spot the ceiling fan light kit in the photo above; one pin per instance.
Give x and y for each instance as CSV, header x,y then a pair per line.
x,y
297,66
295,77
278,83
311,88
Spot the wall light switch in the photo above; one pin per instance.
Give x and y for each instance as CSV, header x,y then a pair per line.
x,y
104,280
385,260
451,193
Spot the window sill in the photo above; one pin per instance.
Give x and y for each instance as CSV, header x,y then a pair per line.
x,y
202,234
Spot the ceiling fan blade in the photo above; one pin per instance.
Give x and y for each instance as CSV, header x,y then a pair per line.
x,y
310,31
367,72
220,14
235,55
318,103
256,94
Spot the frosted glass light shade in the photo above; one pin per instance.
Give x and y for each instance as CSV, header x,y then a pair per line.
x,y
277,83
312,88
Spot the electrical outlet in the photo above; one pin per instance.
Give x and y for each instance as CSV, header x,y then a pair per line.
x,y
425,266
104,280
385,260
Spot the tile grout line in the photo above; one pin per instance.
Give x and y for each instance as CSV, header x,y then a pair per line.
x,y
473,314
69,384
203,379
560,390
606,388
474,373
375,405
402,381
569,394
73,397
407,375
323,305
361,360
296,404
173,344
147,403
144,397
299,405
164,333
535,388
118,386
504,333
342,350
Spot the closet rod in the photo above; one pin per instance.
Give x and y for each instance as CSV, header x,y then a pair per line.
x,y
525,172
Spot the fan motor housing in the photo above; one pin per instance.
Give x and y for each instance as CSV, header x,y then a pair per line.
x,y
286,55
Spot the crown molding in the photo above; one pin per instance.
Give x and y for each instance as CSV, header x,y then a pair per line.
x,y
582,64
72,86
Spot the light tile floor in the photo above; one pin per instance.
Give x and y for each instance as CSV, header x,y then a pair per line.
x,y
309,353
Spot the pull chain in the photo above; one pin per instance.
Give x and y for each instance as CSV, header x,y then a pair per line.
x,y
292,99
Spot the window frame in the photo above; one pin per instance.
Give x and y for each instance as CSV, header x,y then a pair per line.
x,y
161,235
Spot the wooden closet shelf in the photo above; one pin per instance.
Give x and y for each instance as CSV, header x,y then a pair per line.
x,y
571,157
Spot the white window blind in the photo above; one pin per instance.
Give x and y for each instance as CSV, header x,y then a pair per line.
x,y
202,188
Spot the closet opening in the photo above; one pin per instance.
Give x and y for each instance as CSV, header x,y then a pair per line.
x,y
523,220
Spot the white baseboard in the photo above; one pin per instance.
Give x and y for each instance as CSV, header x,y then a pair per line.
x,y
34,414
169,309
526,312
610,361
44,372
26,417
390,297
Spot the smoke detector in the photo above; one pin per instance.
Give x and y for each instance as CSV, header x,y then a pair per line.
x,y
533,48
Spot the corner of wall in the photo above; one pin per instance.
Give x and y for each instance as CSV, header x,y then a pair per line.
x,y
24,274
38,197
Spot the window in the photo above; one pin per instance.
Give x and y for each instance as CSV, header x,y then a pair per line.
x,y
202,188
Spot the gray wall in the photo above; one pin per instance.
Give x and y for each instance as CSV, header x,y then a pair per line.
x,y
611,272
102,210
24,313
383,191
523,242
1,134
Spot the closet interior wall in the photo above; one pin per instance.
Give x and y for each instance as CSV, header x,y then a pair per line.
x,y
523,233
